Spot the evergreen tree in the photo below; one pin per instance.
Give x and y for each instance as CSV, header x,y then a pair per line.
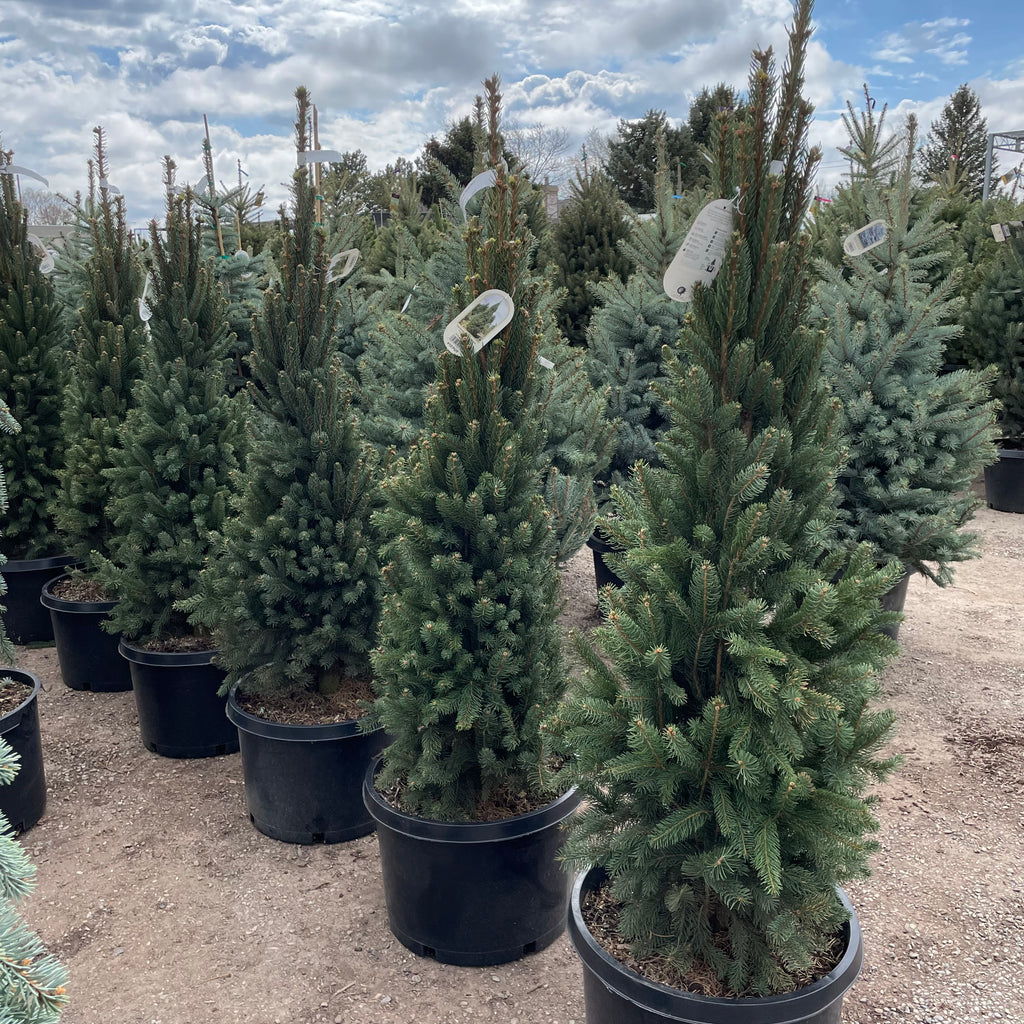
x,y
178,444
109,338
957,143
292,590
584,244
916,439
400,361
469,657
722,734
32,981
632,324
8,425
705,109
994,336
32,379
633,158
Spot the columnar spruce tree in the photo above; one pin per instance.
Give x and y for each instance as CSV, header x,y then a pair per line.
x,y
916,439
726,744
292,591
178,444
469,659
32,379
109,337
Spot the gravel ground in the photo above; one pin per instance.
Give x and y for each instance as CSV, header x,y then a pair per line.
x,y
170,909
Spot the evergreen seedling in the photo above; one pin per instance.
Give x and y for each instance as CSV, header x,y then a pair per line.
x,y
916,439
292,592
178,445
723,733
469,659
32,379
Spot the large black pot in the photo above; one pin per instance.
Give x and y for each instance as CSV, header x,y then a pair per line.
x,y
473,893
26,620
1004,481
893,600
613,994
180,714
303,783
603,576
88,655
24,800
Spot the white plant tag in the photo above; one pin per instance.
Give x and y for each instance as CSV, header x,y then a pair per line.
x,y
865,238
485,179
699,258
776,167
350,257
23,171
1000,232
112,189
546,363
319,156
145,313
480,321
46,263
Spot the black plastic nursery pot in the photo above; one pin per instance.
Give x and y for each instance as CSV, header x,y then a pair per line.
x,y
303,783
23,801
603,576
1004,481
893,600
613,994
26,620
180,714
473,893
88,655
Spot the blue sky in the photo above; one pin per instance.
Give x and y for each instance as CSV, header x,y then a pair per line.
x,y
386,75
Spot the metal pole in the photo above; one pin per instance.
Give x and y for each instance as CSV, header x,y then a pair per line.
x,y
988,166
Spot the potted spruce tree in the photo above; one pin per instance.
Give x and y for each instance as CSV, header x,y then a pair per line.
x,y
32,981
22,800
723,733
994,336
169,486
291,589
467,807
916,438
109,337
32,379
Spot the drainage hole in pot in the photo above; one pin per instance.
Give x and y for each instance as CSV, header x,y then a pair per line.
x,y
429,951
317,837
221,748
530,947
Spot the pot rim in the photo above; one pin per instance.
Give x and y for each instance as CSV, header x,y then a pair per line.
x,y
787,1008
38,564
267,728
13,717
464,832
60,604
168,659
1008,453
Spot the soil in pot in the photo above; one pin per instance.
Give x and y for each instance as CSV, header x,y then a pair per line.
x,y
616,994
87,653
180,712
472,893
26,620
23,801
303,761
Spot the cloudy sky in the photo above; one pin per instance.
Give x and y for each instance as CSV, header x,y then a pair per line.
x,y
387,74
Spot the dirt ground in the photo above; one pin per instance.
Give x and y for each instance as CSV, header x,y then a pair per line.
x,y
169,908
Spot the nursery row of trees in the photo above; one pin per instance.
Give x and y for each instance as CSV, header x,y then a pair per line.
x,y
263,450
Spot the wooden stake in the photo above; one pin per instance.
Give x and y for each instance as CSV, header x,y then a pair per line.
x,y
209,186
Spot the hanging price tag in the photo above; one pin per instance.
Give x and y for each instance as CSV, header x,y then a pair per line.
x,y
46,263
865,238
145,313
480,321
699,258
319,156
485,179
347,259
